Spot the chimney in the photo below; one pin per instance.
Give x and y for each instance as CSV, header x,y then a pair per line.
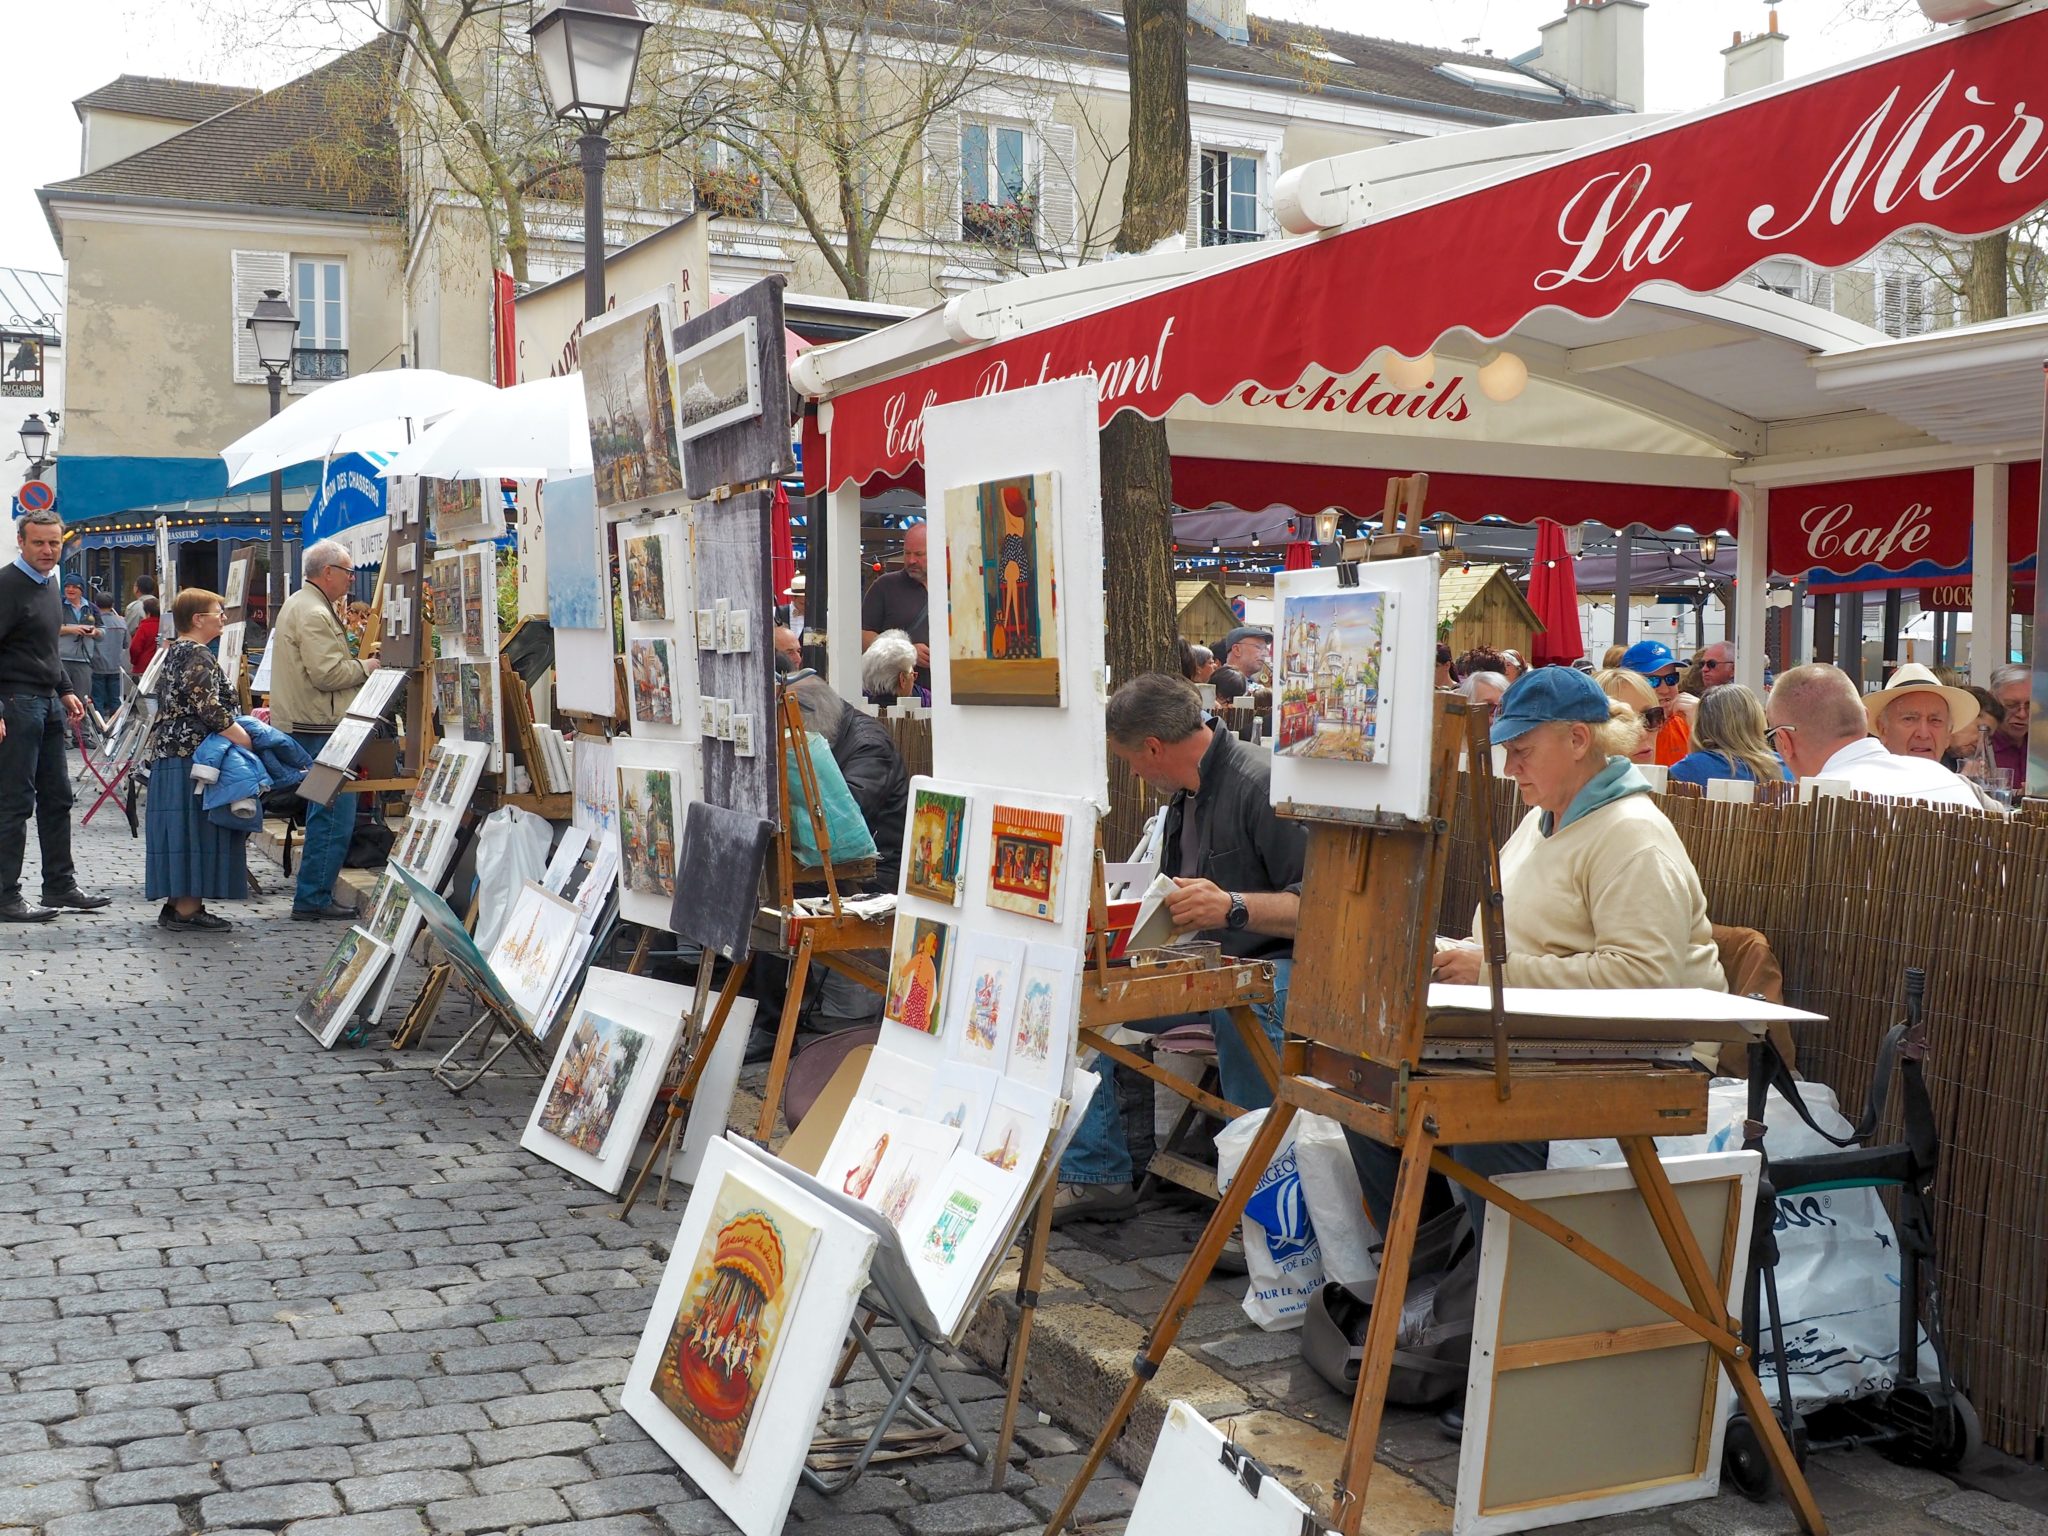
x,y
1596,49
1750,64
1228,19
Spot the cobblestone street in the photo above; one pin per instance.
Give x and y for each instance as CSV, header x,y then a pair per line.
x,y
248,1285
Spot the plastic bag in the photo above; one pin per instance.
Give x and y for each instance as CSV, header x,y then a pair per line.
x,y
1281,1253
1336,1201
1838,1255
846,832
511,848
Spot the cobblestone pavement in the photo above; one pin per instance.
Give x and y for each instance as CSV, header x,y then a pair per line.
x,y
247,1285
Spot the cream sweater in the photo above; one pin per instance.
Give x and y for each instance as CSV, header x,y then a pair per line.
x,y
1612,900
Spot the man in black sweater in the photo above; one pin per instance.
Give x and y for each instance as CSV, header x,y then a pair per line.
x,y
39,706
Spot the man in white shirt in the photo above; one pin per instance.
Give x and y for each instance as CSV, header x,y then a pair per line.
x,y
1819,727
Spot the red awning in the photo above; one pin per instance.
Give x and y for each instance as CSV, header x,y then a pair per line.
x,y
1893,530
1945,132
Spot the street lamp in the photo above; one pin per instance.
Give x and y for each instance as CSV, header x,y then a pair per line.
x,y
35,443
589,51
276,330
1446,532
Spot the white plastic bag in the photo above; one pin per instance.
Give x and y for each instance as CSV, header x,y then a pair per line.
x,y
1336,1201
1838,1256
511,848
1281,1253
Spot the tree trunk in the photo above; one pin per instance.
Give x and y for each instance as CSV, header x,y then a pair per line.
x,y
1984,295
1137,469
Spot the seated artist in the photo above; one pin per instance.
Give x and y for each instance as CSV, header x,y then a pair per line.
x,y
1597,889
1239,871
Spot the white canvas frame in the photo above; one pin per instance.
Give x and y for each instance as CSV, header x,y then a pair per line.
x,y
758,1496
746,335
359,985
662,301
654,1008
1026,432
585,680
1725,1246
1399,786
1188,1487
555,924
677,533
675,757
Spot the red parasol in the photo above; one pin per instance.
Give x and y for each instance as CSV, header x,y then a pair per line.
x,y
1554,594
784,556
1300,556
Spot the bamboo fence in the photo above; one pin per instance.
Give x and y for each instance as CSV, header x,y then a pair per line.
x,y
1850,893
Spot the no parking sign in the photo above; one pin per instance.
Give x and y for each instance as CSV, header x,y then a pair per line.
x,y
36,496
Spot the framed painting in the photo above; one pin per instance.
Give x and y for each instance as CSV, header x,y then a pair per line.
x,y
444,602
746,1329
718,381
237,592
1003,620
936,845
1026,849
579,576
462,510
646,574
1330,676
532,947
629,400
920,964
650,664
601,1085
341,986
480,705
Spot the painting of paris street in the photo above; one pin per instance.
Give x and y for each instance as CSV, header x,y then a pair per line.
x,y
1334,649
631,403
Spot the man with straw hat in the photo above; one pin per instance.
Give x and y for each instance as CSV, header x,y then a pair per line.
x,y
1916,713
1819,728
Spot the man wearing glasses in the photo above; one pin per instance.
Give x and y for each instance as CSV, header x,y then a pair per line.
x,y
1820,727
313,677
1654,661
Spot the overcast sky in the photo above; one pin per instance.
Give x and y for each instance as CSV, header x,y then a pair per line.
x,y
61,50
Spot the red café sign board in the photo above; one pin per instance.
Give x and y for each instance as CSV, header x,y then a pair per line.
x,y
1946,131
1894,530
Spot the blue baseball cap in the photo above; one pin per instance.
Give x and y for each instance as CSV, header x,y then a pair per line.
x,y
1543,695
1649,657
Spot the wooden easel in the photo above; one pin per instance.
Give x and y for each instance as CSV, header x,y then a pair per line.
x,y
1359,992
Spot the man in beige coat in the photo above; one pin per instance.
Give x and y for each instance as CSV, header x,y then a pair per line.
x,y
313,676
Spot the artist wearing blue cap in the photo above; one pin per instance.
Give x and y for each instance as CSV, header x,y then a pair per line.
x,y
1653,660
1597,889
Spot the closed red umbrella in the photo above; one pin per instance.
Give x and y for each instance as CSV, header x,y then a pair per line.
x,y
783,556
1554,594
1300,557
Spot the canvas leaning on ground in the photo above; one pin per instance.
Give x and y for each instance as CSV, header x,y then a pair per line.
x,y
600,1087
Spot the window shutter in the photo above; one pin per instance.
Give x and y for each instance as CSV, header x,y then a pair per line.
x,y
1058,196
1194,192
252,272
777,206
942,175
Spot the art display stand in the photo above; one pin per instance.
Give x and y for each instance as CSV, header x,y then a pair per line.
x,y
1359,997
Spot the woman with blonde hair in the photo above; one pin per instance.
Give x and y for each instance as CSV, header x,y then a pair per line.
x,y
1633,690
1728,741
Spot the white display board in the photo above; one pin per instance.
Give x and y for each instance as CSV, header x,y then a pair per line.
x,y
1046,428
1191,1486
1397,780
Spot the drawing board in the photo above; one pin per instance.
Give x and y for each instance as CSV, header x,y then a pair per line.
x,y
1189,1486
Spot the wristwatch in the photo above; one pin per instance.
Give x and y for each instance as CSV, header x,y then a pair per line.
x,y
1240,914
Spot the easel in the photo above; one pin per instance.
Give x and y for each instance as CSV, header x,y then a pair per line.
x,y
1374,882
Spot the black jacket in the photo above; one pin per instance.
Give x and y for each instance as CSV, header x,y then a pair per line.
x,y
874,773
1247,847
30,616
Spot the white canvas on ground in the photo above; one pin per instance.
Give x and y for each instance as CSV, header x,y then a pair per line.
x,y
1623,1429
1048,427
757,1496
958,1225
1189,1488
1399,784
601,1085
532,947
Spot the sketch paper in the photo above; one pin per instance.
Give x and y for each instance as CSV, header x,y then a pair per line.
x,y
601,1084
983,1016
229,656
1331,674
342,982
343,746
629,399
650,664
1026,849
597,786
894,1081
1002,620
954,1231
532,947
578,572
961,1097
572,968
919,966
885,1158
1019,1121
1042,1044
935,846
380,689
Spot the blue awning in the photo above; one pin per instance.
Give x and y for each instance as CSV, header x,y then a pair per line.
x,y
145,538
91,485
351,494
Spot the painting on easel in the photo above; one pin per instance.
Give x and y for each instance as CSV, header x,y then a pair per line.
x,y
647,830
1003,619
723,1346
1332,665
630,397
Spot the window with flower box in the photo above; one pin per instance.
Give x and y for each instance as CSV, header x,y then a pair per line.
x,y
998,185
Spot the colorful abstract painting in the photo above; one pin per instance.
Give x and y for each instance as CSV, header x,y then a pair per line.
x,y
1003,635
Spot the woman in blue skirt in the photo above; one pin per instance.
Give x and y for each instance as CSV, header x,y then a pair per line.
x,y
191,860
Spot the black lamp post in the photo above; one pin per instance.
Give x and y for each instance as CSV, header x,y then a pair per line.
x,y
276,330
35,445
589,51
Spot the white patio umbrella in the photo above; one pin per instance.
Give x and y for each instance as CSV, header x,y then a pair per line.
x,y
372,412
527,432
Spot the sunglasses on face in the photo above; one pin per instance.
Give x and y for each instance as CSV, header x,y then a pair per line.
x,y
1666,679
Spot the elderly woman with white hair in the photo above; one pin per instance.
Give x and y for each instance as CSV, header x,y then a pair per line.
x,y
313,677
888,671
